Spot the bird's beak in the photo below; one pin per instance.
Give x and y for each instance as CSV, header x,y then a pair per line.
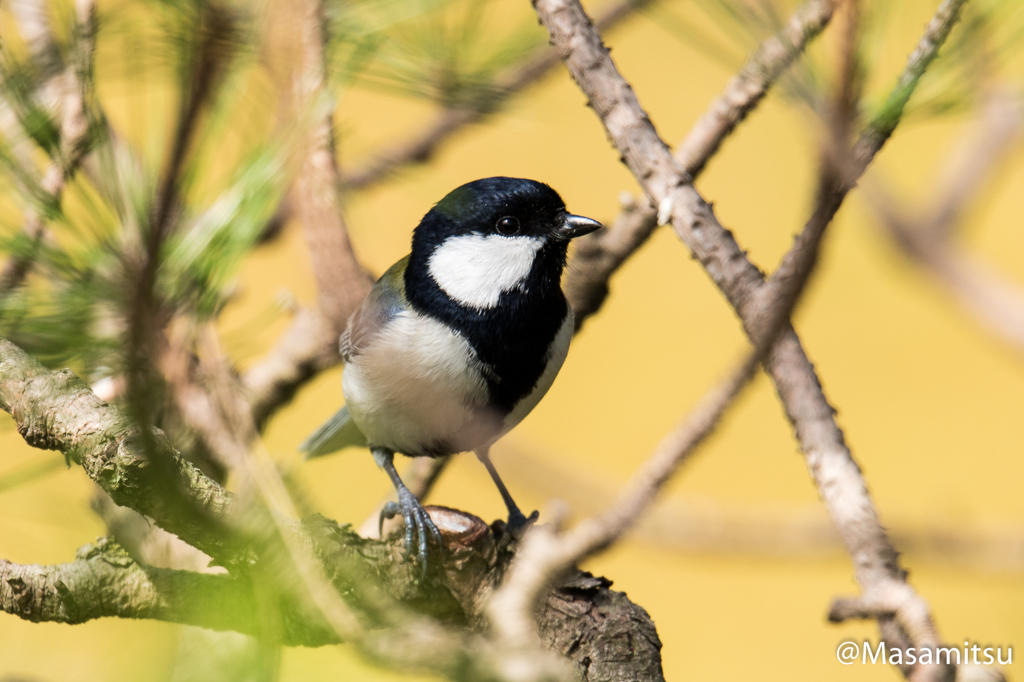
x,y
576,226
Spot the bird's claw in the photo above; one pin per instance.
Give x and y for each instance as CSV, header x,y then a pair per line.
x,y
518,524
415,517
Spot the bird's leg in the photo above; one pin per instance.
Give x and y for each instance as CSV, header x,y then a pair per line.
x,y
516,520
409,507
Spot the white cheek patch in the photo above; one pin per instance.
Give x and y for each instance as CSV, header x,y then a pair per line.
x,y
476,270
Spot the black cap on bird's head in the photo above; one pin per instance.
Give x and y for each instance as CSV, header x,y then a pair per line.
x,y
509,207
493,246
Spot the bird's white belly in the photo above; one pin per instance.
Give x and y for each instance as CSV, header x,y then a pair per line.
x,y
416,385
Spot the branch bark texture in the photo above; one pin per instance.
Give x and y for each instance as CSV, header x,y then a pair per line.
x,y
105,581
58,411
668,186
601,632
599,255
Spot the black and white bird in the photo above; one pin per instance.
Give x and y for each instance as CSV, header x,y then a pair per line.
x,y
459,340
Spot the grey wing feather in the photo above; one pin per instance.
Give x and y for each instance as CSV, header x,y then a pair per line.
x,y
336,433
385,300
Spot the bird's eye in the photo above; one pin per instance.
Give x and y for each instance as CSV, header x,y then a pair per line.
x,y
508,225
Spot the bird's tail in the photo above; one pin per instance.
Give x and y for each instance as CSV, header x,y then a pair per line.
x,y
336,433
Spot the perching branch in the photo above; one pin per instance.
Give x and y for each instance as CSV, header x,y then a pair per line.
x,y
582,619
666,183
599,255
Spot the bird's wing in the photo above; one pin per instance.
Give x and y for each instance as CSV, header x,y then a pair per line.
x,y
385,300
336,433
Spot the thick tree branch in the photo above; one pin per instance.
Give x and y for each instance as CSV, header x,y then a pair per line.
x,y
581,620
57,411
667,184
596,629
599,255
104,581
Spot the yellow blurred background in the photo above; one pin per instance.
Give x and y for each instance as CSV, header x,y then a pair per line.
x,y
931,405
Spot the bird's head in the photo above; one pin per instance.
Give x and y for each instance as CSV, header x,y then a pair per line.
x,y
496,235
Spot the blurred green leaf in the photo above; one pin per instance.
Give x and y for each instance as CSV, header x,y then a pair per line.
x,y
447,51
979,55
200,259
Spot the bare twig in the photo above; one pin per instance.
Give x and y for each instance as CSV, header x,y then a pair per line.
x,y
308,347
311,343
698,524
341,281
545,556
421,147
599,255
665,182
146,314
746,89
926,236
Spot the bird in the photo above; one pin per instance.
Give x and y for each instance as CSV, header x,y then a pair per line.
x,y
458,341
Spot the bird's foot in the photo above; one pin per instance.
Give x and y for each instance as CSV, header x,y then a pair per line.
x,y
417,521
518,524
